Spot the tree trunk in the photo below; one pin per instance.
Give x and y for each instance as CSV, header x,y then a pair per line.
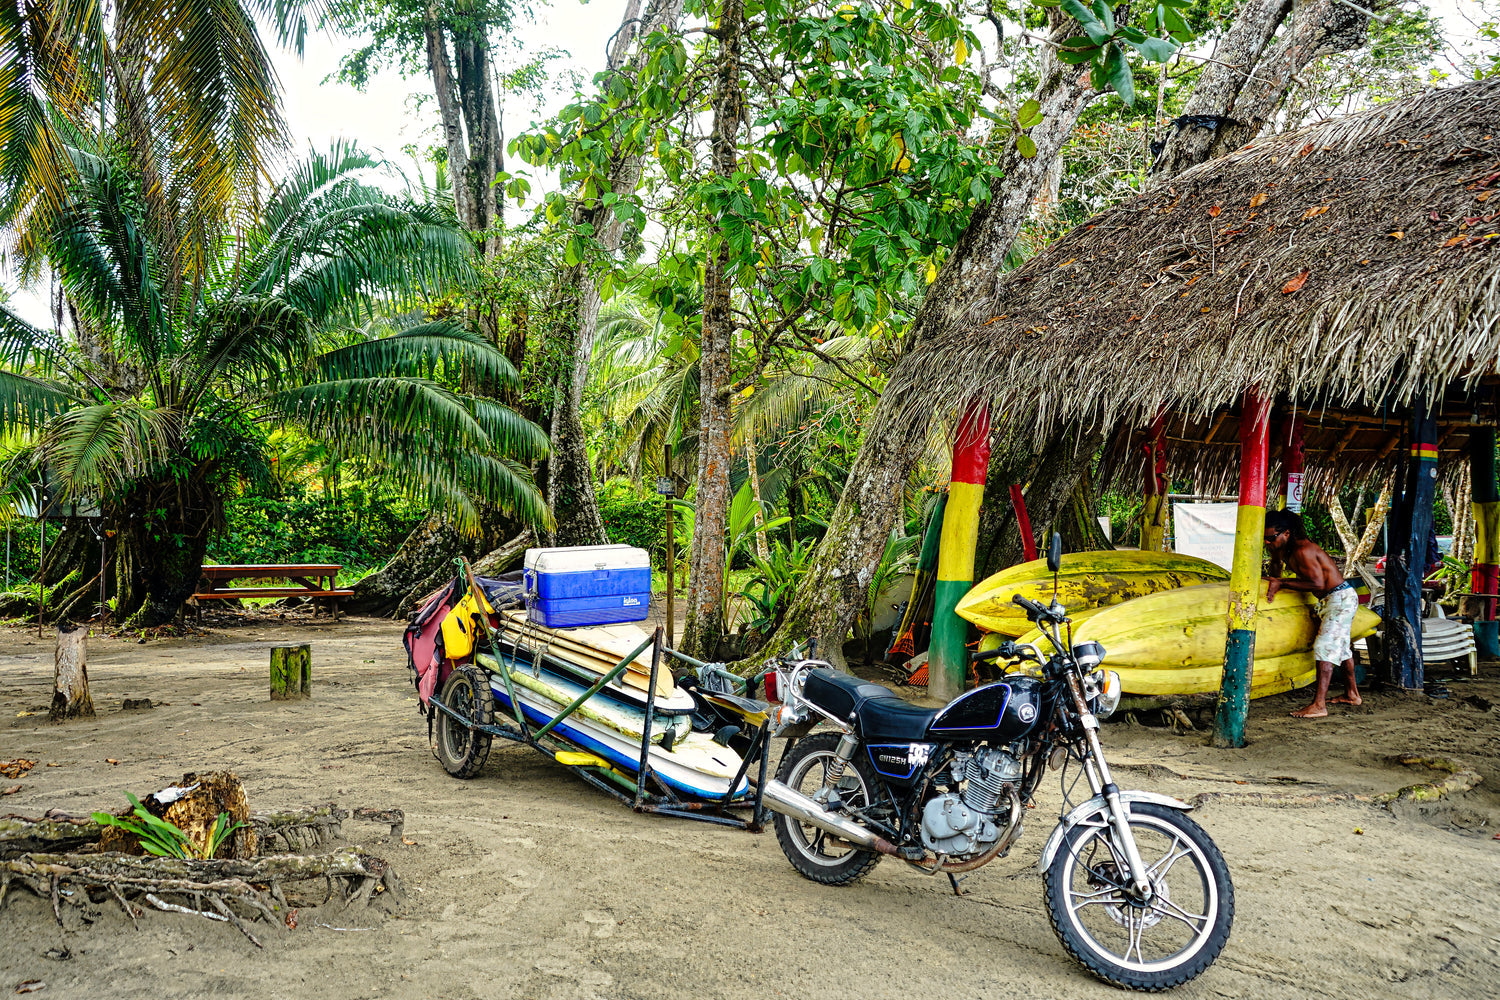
x,y
1078,522
570,479
440,69
758,511
833,591
70,678
1227,108
422,564
704,628
162,532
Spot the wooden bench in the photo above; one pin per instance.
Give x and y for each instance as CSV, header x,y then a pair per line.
x,y
314,581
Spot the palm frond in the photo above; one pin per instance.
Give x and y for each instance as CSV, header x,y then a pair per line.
x,y
418,350
28,403
211,95
91,450
48,60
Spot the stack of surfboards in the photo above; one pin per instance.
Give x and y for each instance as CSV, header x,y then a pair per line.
x,y
551,668
1161,617
1088,583
597,647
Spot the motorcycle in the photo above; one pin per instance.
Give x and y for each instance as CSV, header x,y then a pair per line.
x,y
1137,892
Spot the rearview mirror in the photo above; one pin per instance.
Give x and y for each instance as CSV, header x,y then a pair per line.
x,y
1054,553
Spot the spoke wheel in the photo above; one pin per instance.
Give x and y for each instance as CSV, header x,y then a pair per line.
x,y
461,750
1153,944
816,853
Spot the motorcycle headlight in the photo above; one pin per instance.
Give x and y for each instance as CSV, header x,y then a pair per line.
x,y
1107,683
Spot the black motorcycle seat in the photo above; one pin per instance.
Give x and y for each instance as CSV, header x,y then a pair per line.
x,y
840,694
891,720
876,711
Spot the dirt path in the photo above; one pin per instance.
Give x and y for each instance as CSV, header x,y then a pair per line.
x,y
526,883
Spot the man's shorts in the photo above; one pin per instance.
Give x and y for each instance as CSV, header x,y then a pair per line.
x,y
1337,612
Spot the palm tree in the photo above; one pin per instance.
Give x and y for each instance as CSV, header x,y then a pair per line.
x,y
166,388
184,88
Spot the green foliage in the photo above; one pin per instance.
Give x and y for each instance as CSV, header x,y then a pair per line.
x,y
358,529
167,840
774,583
633,518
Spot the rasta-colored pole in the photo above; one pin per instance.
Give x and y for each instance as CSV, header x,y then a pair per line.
x,y
1154,491
1244,574
947,666
1485,576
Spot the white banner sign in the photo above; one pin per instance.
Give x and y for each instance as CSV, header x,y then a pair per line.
x,y
1205,530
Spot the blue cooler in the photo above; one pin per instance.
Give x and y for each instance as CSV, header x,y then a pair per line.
x,y
587,585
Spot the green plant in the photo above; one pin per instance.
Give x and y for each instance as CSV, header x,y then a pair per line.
x,y
167,840
776,579
898,557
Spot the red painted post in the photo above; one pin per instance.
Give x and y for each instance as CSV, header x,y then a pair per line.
x,y
1023,522
1293,461
1154,489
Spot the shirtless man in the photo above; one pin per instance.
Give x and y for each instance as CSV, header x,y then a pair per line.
x,y
1316,573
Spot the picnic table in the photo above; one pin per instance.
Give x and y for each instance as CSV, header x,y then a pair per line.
x,y
314,581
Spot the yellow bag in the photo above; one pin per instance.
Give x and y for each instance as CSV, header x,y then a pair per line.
x,y
459,628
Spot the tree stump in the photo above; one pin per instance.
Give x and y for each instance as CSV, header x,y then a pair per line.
x,y
193,805
70,678
291,672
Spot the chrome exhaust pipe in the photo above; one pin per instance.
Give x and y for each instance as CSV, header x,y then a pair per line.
x,y
786,800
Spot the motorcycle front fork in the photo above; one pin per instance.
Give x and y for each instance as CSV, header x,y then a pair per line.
x,y
1096,769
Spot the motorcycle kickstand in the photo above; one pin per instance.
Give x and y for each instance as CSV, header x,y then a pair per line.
x,y
954,882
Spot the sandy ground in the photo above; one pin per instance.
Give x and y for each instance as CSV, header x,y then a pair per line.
x,y
524,882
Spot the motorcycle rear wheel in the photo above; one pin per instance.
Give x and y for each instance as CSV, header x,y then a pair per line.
x,y
815,853
1163,942
461,750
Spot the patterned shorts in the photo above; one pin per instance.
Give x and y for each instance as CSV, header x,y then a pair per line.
x,y
1337,612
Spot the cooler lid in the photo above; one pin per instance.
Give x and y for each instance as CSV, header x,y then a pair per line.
x,y
583,558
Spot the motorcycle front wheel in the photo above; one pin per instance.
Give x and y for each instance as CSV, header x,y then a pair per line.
x,y
817,854
1153,944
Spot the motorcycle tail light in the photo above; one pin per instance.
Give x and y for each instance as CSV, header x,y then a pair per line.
x,y
772,684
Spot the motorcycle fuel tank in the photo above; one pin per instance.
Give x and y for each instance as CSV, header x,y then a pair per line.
x,y
1001,713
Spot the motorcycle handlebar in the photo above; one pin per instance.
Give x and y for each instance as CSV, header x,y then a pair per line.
x,y
1006,651
1033,607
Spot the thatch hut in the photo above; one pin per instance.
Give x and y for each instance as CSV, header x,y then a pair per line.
x,y
1348,272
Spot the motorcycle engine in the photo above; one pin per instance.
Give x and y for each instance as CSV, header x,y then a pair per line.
x,y
962,823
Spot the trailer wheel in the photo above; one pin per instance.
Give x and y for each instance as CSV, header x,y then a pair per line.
x,y
461,750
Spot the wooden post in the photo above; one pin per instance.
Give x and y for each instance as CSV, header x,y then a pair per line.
x,y
947,662
1485,576
1406,558
1244,574
70,677
1293,462
670,498
1154,492
291,672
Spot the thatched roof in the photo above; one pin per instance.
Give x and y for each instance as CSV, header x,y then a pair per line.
x,y
1343,268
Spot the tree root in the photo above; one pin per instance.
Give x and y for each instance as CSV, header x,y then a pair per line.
x,y
1459,780
235,890
293,830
